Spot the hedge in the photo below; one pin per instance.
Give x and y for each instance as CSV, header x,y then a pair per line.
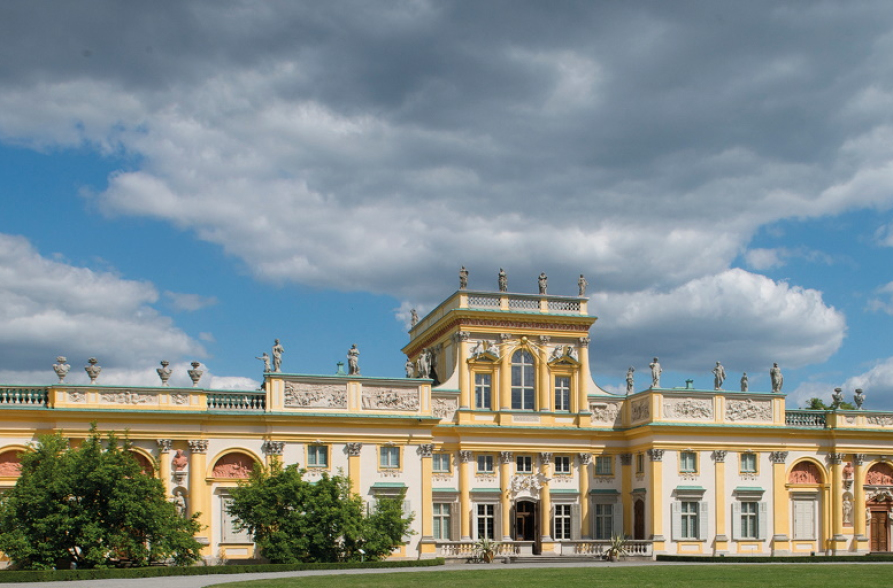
x,y
775,559
159,571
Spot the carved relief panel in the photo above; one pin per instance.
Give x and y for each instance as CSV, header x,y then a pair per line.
x,y
382,398
688,409
304,395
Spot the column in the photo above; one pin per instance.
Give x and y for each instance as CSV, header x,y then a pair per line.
x,y
781,539
426,452
580,402
272,452
505,374
722,539
585,475
545,500
543,373
198,499
465,458
838,540
353,466
505,474
465,388
655,509
626,495
164,463
861,540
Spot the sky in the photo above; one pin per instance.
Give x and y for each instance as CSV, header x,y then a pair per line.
x,y
190,181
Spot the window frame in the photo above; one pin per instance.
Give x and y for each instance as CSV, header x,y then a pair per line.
x,y
484,519
562,394
527,461
600,468
603,520
523,380
393,453
483,393
748,455
313,451
489,462
562,522
441,524
567,467
437,465
685,468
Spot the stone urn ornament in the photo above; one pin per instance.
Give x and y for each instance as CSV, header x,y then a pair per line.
x,y
164,372
93,369
195,374
61,368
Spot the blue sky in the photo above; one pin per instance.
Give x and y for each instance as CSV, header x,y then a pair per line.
x,y
192,181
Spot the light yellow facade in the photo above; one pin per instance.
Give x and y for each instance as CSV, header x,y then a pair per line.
x,y
508,438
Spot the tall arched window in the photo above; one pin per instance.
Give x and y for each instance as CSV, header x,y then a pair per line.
x,y
523,379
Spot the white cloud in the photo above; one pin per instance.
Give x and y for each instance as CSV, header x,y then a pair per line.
x,y
883,302
189,302
49,308
763,259
877,384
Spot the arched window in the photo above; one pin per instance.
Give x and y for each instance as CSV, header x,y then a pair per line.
x,y
523,379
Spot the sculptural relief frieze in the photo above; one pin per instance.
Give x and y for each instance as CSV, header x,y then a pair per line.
x,y
881,420
641,409
605,412
128,397
749,410
382,398
444,408
302,395
688,408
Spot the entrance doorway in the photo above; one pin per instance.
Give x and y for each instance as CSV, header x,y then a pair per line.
x,y
880,530
527,523
639,520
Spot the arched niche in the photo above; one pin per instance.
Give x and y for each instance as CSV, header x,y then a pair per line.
x,y
805,472
10,463
235,465
880,474
146,464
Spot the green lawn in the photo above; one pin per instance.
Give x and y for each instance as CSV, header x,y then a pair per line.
x,y
658,576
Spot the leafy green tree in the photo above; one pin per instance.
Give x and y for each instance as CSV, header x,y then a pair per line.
x,y
90,505
294,520
819,404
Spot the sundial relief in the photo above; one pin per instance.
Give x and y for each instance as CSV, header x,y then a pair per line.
x,y
303,395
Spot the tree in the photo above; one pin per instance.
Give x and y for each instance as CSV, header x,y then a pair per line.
x,y
294,520
819,404
90,505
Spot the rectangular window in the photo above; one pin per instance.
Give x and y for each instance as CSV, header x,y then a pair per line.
x,y
749,520
524,464
562,393
485,464
562,521
604,521
390,457
317,456
442,521
688,462
486,520
748,463
523,381
640,463
562,464
483,391
231,533
603,465
689,528
804,519
441,462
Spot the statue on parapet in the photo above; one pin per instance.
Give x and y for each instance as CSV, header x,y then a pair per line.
x,y
278,350
744,383
630,384
655,373
836,398
61,368
719,376
543,282
265,357
581,284
353,361
463,278
410,368
503,281
776,377
413,318
859,398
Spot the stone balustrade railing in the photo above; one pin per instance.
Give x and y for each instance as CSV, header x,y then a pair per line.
x,y
237,401
24,396
805,418
466,549
598,548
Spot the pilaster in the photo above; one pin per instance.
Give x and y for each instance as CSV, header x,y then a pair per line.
x,y
838,540
505,475
465,458
543,372
546,501
860,540
426,453
655,499
781,527
722,540
353,465
164,463
585,475
505,373
466,387
272,451
198,486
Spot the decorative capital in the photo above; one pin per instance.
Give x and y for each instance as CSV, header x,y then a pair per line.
x,y
353,449
778,457
656,454
426,449
835,458
465,456
719,455
546,458
858,459
544,339
626,459
506,456
584,341
273,447
585,458
199,446
164,445
462,336
505,336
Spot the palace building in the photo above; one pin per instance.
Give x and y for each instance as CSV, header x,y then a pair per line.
x,y
499,431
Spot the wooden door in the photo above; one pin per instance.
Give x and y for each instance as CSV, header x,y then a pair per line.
x,y
639,520
880,530
525,520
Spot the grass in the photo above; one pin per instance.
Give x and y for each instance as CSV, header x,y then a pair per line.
x,y
657,576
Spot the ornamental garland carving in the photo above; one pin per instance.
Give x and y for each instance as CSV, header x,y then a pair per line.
x,y
641,409
444,408
605,412
883,420
128,397
688,408
527,484
381,398
749,410
302,395
180,398
77,396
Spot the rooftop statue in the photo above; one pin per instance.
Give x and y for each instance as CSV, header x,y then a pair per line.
x,y
744,382
655,373
719,376
776,377
195,374
463,278
543,282
410,368
503,281
582,283
278,350
859,398
61,368
836,398
265,357
164,372
413,318
629,380
353,361
93,369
